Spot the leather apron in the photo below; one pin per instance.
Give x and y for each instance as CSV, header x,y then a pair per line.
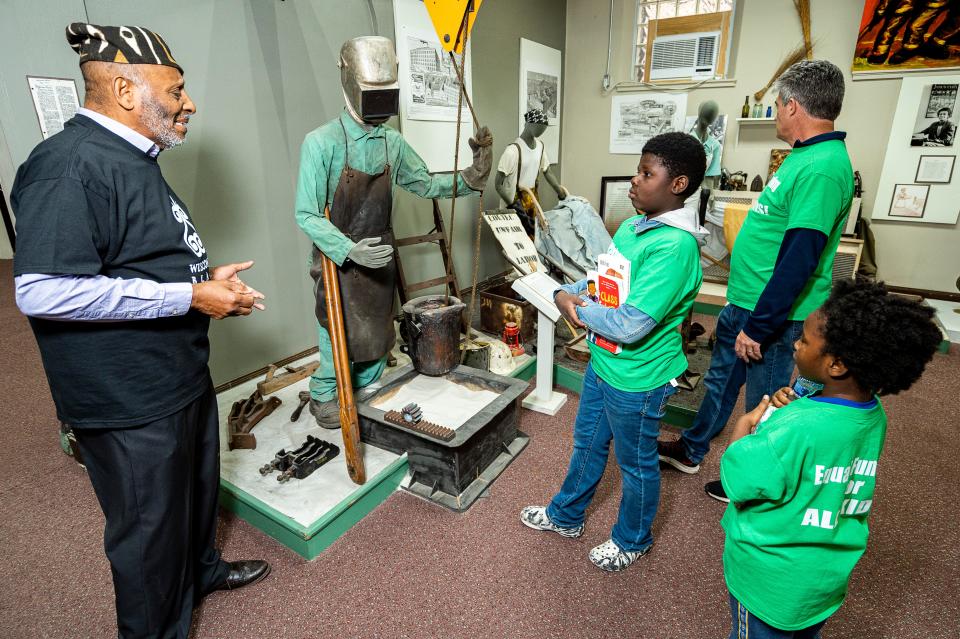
x,y
362,207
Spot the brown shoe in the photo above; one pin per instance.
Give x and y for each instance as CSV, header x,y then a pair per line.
x,y
674,454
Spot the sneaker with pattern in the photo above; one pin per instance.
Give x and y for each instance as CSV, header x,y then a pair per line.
x,y
608,556
536,517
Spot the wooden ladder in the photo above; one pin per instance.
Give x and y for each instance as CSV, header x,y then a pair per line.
x,y
437,236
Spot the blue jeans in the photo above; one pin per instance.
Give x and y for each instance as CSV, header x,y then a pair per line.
x,y
746,626
632,422
728,373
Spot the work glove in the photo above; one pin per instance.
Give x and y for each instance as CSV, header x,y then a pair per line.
x,y
477,173
370,253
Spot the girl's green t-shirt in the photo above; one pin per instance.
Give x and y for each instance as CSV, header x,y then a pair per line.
x,y
801,490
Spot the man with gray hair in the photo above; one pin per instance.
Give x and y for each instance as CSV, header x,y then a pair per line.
x,y
116,283
782,263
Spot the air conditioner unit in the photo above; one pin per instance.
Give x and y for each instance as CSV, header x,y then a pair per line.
x,y
685,55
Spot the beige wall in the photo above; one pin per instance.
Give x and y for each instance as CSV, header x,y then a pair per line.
x,y
914,255
263,74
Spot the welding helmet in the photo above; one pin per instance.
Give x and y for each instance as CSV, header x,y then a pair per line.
x,y
368,73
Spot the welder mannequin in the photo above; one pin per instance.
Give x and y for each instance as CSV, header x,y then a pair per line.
x,y
520,166
351,164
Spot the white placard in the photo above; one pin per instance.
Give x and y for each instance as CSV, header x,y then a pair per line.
x,y
634,119
538,288
429,125
541,70
517,246
55,100
899,196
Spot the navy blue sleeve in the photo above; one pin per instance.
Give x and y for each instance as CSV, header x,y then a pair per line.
x,y
798,258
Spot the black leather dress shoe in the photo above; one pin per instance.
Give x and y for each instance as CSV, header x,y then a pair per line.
x,y
244,573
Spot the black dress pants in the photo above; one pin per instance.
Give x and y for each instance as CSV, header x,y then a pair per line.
x,y
157,485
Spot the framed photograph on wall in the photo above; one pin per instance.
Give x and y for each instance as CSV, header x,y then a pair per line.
x,y
541,87
909,200
934,125
935,169
615,204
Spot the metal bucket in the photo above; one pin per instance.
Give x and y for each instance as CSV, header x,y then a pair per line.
x,y
476,355
433,329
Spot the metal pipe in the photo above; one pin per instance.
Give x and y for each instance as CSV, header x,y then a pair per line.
x,y
605,83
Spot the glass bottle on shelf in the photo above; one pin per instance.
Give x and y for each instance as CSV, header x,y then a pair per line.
x,y
769,111
745,111
757,110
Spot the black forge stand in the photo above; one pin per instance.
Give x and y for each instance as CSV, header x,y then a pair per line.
x,y
452,473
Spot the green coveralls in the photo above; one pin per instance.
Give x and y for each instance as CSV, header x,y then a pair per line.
x,y
321,162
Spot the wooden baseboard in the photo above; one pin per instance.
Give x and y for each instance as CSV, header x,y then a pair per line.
x,y
263,371
926,293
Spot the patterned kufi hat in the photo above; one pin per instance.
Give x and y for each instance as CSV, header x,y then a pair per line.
x,y
124,45
535,116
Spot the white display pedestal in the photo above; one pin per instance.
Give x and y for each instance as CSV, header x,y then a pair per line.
x,y
538,289
544,399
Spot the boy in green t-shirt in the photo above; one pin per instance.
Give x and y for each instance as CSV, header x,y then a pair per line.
x,y
801,488
624,393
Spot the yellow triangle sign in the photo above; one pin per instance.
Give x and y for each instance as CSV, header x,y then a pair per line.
x,y
447,17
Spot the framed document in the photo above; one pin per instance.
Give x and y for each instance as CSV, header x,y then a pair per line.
x,y
909,200
615,204
935,169
55,101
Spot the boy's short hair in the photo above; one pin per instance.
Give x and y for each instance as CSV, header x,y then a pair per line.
x,y
884,340
680,154
947,109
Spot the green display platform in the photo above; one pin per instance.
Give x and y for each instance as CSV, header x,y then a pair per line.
x,y
310,541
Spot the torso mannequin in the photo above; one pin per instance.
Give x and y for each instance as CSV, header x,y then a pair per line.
x,y
520,166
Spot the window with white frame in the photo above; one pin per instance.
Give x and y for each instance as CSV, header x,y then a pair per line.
x,y
653,13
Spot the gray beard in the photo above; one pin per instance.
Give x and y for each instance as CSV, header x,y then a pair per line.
x,y
160,123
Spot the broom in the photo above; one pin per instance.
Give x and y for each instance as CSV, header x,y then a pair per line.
x,y
798,54
801,52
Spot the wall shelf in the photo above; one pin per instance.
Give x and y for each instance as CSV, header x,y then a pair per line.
x,y
756,124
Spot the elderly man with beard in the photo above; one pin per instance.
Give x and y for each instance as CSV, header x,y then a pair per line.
x,y
115,281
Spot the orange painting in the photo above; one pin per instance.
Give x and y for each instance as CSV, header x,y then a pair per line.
x,y
898,36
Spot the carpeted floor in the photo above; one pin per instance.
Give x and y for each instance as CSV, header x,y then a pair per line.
x,y
412,569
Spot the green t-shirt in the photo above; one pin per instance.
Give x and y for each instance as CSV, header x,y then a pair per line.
x,y
665,276
800,493
812,189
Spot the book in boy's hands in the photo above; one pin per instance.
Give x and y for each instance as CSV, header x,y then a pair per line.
x,y
612,282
